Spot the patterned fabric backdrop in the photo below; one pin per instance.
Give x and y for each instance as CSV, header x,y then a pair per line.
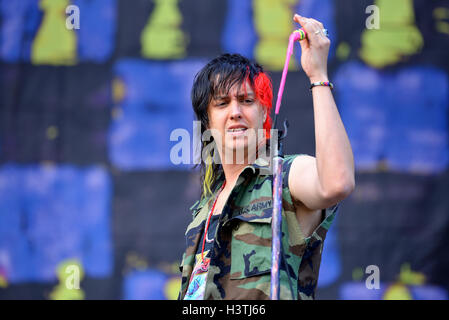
x,y
87,188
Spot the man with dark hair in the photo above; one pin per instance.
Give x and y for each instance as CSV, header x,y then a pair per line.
x,y
228,254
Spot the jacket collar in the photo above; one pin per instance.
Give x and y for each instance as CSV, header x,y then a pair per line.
x,y
261,166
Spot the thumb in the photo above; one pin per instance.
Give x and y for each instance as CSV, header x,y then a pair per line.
x,y
304,43
302,21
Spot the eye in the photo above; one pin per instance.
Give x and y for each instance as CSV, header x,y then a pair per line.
x,y
249,101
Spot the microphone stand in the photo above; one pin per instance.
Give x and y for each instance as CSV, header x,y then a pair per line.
x,y
278,159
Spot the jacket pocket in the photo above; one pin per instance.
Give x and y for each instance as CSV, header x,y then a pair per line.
x,y
250,246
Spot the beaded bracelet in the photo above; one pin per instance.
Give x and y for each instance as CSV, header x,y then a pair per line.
x,y
322,83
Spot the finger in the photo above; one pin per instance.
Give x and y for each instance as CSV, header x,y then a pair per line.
x,y
301,21
308,28
304,43
315,36
318,22
304,22
319,31
296,17
318,39
313,29
314,33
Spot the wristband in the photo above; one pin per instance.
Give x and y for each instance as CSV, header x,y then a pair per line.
x,y
322,83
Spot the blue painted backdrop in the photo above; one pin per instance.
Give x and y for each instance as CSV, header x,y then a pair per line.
x,y
85,170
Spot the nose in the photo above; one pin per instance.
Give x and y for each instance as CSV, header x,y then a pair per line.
x,y
236,111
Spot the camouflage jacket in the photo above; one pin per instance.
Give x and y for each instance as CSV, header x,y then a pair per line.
x,y
240,266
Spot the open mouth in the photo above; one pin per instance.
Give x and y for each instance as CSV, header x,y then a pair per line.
x,y
236,131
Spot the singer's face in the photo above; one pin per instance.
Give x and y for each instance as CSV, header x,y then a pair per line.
x,y
235,120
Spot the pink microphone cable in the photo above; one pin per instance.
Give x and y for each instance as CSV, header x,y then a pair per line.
x,y
296,35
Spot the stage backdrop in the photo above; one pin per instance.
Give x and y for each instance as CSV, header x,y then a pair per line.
x,y
91,91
